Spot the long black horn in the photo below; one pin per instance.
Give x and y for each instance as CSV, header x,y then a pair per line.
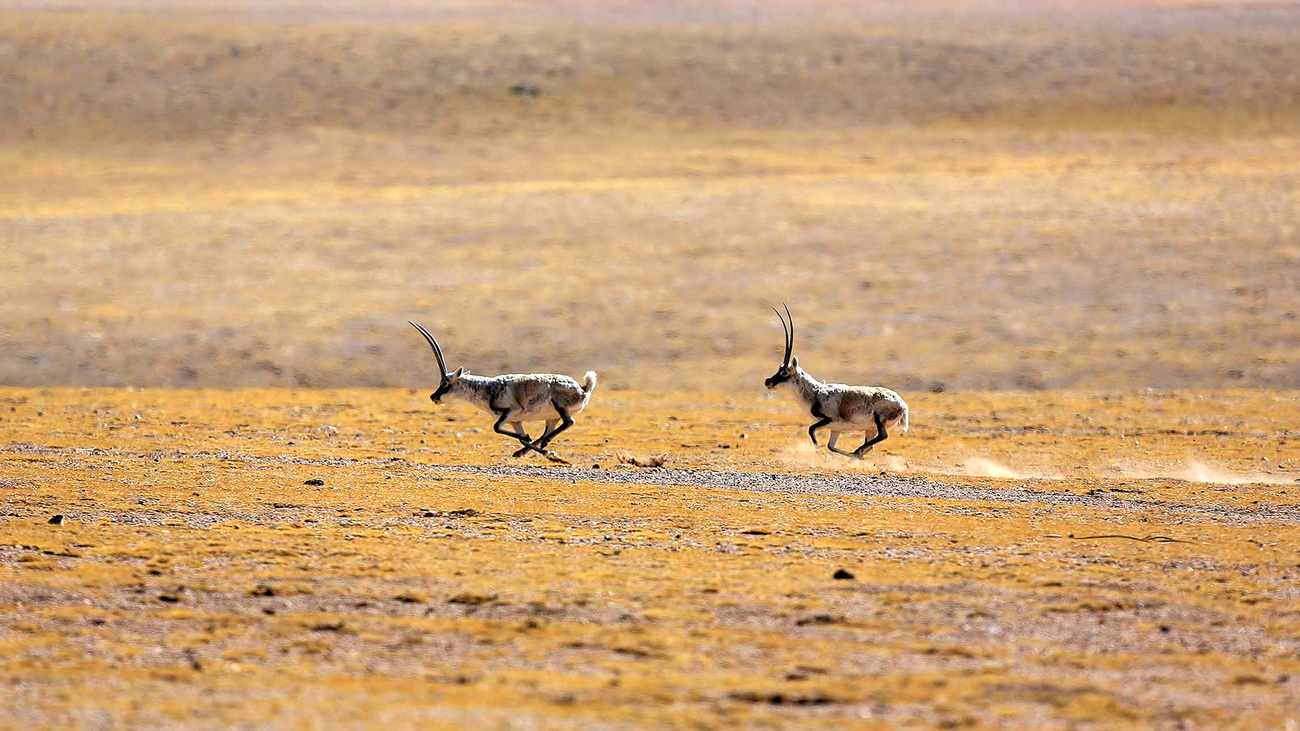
x,y
789,347
442,364
788,344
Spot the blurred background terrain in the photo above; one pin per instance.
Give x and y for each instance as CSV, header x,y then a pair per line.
x,y
956,195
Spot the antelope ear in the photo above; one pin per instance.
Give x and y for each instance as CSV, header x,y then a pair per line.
x,y
794,362
455,376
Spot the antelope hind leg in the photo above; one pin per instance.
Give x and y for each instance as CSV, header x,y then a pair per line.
x,y
870,444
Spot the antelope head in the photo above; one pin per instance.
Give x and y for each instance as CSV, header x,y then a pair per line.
x,y
788,365
449,380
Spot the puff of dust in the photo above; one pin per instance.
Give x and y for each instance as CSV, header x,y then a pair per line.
x,y
1201,472
804,454
984,467
975,466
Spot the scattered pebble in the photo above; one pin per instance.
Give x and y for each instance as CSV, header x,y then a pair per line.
x,y
841,574
473,600
56,520
314,481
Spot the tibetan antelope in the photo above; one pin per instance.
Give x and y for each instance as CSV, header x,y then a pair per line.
x,y
515,398
869,409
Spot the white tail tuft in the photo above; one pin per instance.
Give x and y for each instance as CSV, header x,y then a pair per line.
x,y
905,424
588,381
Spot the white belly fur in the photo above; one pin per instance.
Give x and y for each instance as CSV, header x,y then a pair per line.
x,y
543,412
866,421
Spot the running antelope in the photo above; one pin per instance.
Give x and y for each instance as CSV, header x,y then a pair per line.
x,y
515,398
869,409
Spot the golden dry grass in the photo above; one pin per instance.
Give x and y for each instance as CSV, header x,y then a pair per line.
x,y
198,582
953,197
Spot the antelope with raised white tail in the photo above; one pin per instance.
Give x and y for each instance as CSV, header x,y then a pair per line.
x,y
516,398
868,409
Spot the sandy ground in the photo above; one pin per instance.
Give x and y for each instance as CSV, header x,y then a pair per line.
x,y
199,579
1065,232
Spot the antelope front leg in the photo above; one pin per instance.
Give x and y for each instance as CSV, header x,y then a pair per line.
x,y
519,429
822,420
549,426
835,437
502,417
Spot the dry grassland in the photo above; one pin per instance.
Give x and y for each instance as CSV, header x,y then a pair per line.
x,y
428,581
1080,202
1005,198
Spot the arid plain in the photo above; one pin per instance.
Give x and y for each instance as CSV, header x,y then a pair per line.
x,y
1070,237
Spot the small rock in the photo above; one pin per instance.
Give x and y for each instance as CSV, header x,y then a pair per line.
x,y
525,90
841,574
56,520
818,619
429,514
464,512
169,598
314,481
595,467
262,590
473,600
